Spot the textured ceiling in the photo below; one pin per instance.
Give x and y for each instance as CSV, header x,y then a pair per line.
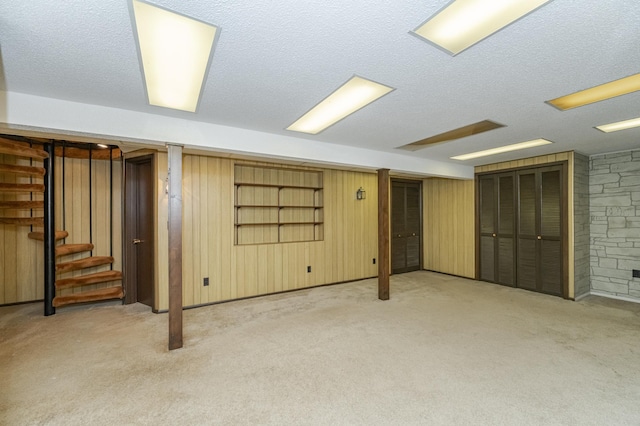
x,y
275,60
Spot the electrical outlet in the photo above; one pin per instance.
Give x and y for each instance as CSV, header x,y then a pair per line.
x,y
635,273
308,268
205,281
374,260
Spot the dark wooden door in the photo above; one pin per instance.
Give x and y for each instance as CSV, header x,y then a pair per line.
x,y
139,230
406,226
496,194
540,230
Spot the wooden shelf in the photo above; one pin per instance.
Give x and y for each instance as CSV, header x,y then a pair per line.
x,y
268,208
270,185
277,223
275,207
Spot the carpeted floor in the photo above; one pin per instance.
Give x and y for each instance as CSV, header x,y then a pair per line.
x,y
443,350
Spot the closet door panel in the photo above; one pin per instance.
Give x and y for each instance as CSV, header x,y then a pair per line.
x,y
527,264
487,259
506,230
506,262
488,213
550,267
527,204
551,204
487,205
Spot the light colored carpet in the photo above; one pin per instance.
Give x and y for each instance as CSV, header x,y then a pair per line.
x,y
443,350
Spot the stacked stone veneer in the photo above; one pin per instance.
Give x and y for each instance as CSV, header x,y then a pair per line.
x,y
614,204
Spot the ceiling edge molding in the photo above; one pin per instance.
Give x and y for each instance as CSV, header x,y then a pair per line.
x,y
35,113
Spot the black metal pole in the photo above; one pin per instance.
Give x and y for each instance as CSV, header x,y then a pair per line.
x,y
49,231
90,200
111,204
64,198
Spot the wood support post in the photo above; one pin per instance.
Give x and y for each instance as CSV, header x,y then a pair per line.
x,y
383,234
175,246
49,231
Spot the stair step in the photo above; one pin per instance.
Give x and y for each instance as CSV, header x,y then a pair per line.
x,y
99,277
21,150
65,249
89,296
21,187
21,205
87,262
22,170
39,235
22,221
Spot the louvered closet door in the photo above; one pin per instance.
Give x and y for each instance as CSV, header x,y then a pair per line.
x,y
406,226
506,228
488,212
497,226
551,232
540,252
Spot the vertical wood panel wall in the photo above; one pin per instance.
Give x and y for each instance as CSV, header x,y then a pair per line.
x,y
22,259
236,271
449,226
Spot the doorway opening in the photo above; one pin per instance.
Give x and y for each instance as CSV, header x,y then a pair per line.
x,y
139,229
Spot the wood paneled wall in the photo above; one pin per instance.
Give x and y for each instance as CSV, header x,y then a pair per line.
x,y
22,259
235,271
449,226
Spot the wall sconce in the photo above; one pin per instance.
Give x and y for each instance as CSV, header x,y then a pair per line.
x,y
361,194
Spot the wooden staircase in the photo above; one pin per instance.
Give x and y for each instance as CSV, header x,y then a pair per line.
x,y
66,286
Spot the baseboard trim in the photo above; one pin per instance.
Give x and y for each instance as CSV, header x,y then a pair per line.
x,y
582,296
184,308
613,296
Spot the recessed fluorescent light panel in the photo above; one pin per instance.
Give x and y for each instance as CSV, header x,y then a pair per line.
x,y
501,149
355,94
175,52
605,91
461,132
620,125
463,23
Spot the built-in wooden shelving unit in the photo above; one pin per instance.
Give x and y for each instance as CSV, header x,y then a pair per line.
x,y
277,205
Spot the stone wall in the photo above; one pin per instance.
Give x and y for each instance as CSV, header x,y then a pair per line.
x,y
614,193
582,284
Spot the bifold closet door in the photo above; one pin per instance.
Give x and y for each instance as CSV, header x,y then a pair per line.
x,y
406,225
497,228
539,252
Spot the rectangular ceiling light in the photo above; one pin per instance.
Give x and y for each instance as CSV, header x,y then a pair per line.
x,y
355,94
501,149
462,132
605,91
463,23
620,125
175,52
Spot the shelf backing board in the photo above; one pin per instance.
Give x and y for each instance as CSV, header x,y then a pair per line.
x,y
277,205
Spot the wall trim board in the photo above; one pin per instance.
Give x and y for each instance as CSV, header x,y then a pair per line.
x,y
293,290
611,296
582,296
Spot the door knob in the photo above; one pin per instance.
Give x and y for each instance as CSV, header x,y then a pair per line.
x,y
539,237
414,234
137,241
493,235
